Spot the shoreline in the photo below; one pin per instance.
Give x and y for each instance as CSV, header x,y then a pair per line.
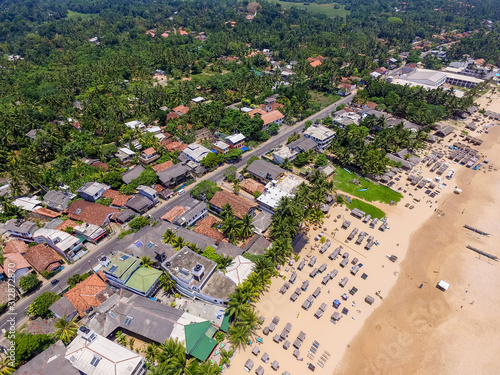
x,y
421,331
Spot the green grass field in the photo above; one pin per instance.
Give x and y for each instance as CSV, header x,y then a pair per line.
x,y
324,99
373,194
366,207
327,9
84,16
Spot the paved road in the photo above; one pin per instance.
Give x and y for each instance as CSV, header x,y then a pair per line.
x,y
106,246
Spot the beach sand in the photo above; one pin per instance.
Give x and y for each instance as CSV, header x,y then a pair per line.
x,y
427,331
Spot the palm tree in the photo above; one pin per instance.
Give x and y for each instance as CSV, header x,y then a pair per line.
x,y
172,348
249,319
151,353
178,243
121,338
166,282
247,226
207,368
227,210
225,356
168,236
237,303
146,261
236,186
238,335
5,367
223,262
287,164
194,247
231,227
66,330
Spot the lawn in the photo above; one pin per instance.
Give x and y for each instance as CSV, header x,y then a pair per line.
x,y
84,16
367,208
374,193
324,99
327,9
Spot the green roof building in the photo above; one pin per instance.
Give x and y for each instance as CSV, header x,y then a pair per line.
x,y
199,339
144,280
125,271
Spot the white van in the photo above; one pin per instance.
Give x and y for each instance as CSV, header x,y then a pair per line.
x,y
182,191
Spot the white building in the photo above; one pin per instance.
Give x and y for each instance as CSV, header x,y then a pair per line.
x,y
136,124
90,232
64,243
277,189
320,134
92,354
195,152
198,277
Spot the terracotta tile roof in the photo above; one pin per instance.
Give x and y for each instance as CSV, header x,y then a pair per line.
x,y
240,205
120,200
176,146
173,213
149,151
162,166
89,212
43,258
209,221
18,261
110,193
252,186
371,105
256,111
41,326
88,293
15,246
100,164
172,115
346,86
42,211
271,117
316,63
209,232
181,108
274,106
158,188
67,223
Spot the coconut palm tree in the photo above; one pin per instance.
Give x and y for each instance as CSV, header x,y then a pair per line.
x,y
146,261
151,353
237,303
121,338
207,368
287,164
168,236
249,319
225,356
227,210
66,330
5,367
194,247
223,262
166,282
247,226
238,335
231,227
178,243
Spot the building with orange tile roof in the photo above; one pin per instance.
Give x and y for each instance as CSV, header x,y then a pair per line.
x,y
162,166
43,258
173,213
251,186
241,206
90,292
45,213
209,232
15,246
66,224
315,63
181,110
16,265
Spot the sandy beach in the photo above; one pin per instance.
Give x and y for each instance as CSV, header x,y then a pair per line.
x,y
427,331
407,330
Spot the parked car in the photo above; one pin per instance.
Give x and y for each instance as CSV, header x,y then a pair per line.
x,y
54,282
